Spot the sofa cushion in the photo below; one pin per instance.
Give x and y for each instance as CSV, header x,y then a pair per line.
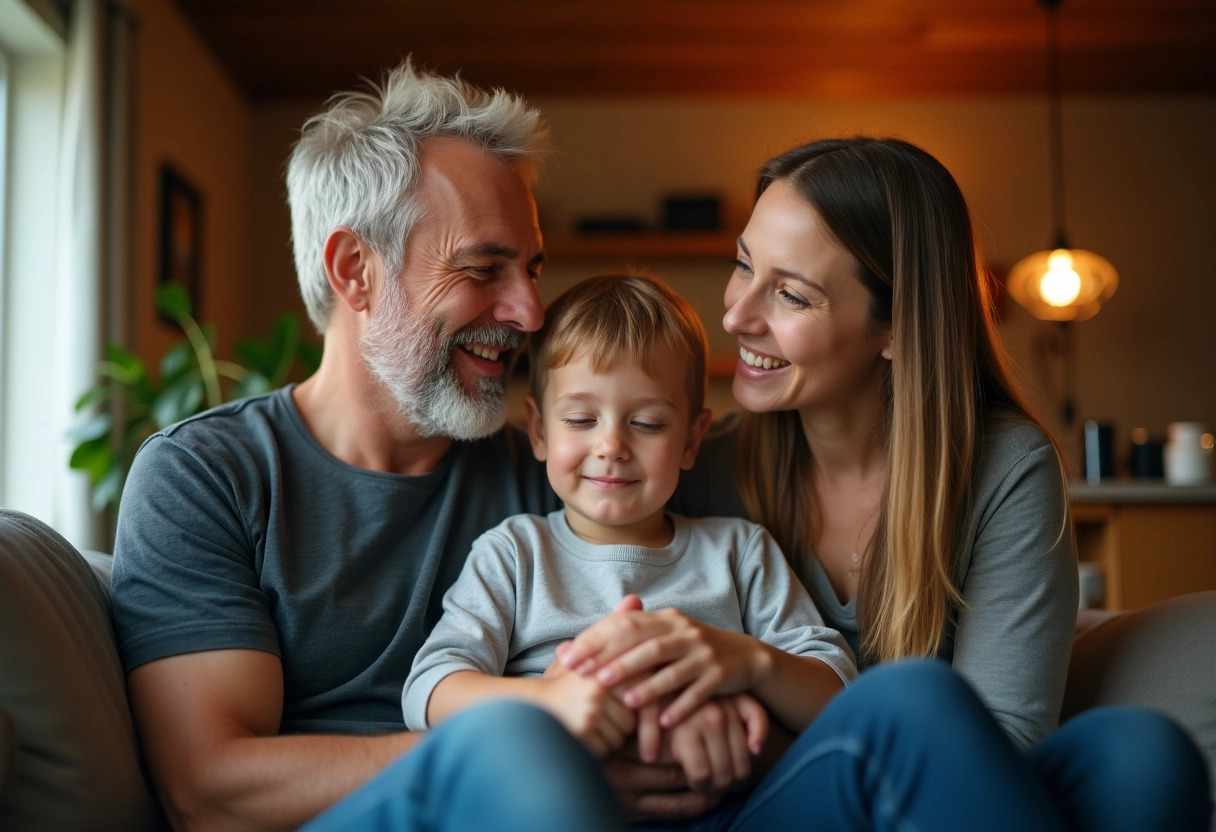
x,y
1161,656
75,763
8,748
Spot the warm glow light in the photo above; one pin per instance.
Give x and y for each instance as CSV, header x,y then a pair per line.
x,y
1061,285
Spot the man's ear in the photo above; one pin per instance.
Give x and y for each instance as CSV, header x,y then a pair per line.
x,y
536,428
696,432
350,265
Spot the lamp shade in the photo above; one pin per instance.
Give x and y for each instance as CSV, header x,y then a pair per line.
x,y
1064,284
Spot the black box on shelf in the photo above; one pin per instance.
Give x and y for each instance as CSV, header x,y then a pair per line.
x,y
608,224
694,212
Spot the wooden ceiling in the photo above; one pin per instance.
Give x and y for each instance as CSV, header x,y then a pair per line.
x,y
747,48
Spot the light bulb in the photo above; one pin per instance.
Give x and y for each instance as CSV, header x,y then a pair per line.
x,y
1061,285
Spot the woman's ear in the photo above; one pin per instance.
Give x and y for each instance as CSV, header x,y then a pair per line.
x,y
696,432
350,265
888,349
536,428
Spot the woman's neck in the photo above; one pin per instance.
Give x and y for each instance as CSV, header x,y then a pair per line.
x,y
848,477
846,445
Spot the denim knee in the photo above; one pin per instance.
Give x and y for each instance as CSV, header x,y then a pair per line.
x,y
501,728
1144,748
913,686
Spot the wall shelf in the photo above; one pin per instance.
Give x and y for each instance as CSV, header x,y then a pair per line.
x,y
673,245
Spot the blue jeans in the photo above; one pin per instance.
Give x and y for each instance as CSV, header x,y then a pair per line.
x,y
910,747
500,766
907,747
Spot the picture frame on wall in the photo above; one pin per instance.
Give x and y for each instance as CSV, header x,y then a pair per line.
x,y
181,234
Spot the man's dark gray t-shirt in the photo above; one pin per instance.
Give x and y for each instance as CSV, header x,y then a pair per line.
x,y
238,530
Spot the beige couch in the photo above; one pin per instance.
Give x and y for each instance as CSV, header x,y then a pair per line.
x,y
68,752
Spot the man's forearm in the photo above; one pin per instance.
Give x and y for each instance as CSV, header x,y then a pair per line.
x,y
267,783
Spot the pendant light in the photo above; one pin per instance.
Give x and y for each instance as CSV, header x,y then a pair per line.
x,y
1063,283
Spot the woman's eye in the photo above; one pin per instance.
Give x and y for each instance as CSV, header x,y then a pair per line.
x,y
793,300
739,265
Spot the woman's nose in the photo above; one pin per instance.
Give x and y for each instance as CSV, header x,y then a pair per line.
x,y
740,317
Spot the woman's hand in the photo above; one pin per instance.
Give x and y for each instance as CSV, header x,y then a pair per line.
x,y
679,654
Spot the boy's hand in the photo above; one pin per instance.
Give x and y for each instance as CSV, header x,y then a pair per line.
x,y
715,744
590,711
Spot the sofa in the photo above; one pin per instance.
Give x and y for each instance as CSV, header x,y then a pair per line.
x,y
69,757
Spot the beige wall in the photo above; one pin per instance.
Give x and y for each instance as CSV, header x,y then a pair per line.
x,y
190,115
1140,182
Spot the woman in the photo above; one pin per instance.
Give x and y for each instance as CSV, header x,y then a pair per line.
x,y
889,452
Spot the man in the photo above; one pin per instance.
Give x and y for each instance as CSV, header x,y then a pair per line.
x,y
280,559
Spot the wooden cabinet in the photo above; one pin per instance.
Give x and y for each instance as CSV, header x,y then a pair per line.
x,y
1150,541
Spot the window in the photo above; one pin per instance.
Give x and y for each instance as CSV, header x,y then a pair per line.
x,y
32,45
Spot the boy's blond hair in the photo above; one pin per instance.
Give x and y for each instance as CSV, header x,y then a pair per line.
x,y
620,316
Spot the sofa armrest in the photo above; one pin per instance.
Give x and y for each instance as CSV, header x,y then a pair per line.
x,y
1161,656
75,761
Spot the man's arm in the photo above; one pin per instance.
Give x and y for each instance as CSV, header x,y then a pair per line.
x,y
209,723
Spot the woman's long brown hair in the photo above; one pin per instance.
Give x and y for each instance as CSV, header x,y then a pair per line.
x,y
902,217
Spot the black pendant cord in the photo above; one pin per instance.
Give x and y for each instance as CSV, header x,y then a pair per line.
x,y
1056,120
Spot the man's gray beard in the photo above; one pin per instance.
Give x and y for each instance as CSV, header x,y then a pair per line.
x,y
413,359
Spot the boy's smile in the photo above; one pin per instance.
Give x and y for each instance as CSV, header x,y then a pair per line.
x,y
614,444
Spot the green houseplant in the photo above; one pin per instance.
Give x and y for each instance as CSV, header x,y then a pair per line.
x,y
129,402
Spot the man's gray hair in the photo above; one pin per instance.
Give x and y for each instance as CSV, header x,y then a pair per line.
x,y
356,164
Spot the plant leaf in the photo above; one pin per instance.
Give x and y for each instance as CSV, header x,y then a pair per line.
x,y
256,355
284,344
173,300
254,384
123,366
176,361
309,354
92,396
179,400
94,427
108,490
94,457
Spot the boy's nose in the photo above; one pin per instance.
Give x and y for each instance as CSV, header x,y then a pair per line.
x,y
610,446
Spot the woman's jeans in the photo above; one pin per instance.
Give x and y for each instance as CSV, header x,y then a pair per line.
x,y
907,747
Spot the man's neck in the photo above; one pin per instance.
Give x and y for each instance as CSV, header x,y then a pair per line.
x,y
352,416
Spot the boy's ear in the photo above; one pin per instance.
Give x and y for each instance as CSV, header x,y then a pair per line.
x,y
700,426
536,427
349,265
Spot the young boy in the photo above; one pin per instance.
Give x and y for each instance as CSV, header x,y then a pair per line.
x,y
616,411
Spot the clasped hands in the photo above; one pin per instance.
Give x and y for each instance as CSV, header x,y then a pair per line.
x,y
676,685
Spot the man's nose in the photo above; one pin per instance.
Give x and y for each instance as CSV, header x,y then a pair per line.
x,y
520,305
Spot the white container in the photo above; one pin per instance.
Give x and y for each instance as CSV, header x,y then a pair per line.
x,y
1188,454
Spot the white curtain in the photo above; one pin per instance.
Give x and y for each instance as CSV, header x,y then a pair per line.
x,y
78,266
93,227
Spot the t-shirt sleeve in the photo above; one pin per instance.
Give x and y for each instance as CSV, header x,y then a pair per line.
x,y
474,632
778,610
184,578
1014,635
